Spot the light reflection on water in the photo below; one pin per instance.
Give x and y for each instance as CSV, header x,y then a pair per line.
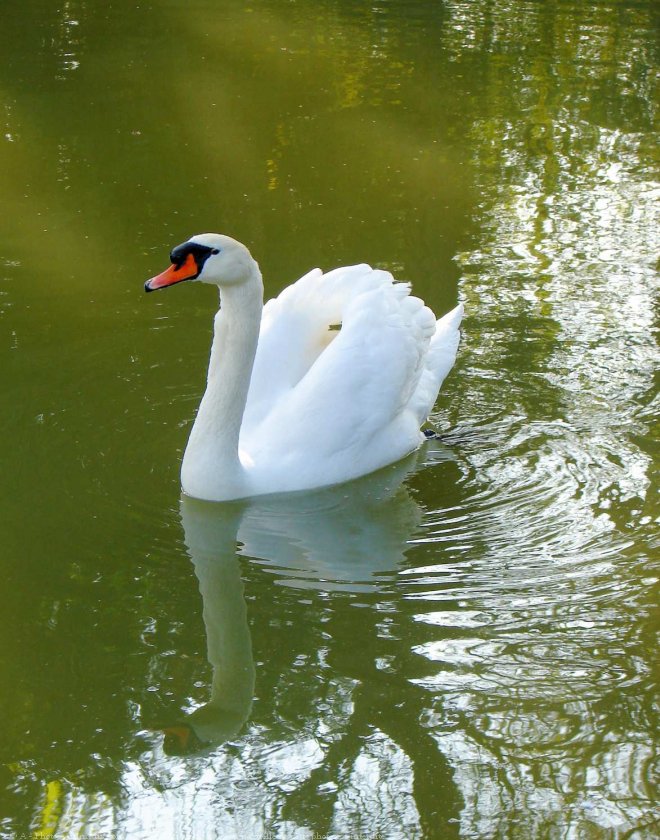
x,y
540,671
528,603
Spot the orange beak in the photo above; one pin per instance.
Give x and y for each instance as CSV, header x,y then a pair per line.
x,y
173,274
179,735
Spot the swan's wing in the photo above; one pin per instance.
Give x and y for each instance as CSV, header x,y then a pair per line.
x,y
281,353
296,327
350,409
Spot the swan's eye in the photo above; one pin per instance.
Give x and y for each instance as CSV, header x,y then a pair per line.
x,y
177,256
200,253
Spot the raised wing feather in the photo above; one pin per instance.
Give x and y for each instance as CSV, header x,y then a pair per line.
x,y
295,330
349,390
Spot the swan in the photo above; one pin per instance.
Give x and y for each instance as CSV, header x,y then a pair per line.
x,y
328,382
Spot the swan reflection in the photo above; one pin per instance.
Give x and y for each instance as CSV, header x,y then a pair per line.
x,y
338,538
210,545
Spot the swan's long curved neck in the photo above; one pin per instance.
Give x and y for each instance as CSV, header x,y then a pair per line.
x,y
213,445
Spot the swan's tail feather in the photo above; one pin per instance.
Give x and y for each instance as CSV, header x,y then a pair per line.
x,y
444,344
439,361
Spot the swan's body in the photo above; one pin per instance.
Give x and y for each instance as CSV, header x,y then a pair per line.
x,y
293,400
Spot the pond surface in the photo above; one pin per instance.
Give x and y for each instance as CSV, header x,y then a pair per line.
x,y
462,645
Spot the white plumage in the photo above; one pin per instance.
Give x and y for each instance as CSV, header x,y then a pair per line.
x,y
330,382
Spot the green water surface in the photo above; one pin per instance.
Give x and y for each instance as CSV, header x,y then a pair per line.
x,y
460,646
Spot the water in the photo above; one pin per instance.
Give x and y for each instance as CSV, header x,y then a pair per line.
x,y
460,646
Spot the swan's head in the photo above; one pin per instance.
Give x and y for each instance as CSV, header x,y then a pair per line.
x,y
207,258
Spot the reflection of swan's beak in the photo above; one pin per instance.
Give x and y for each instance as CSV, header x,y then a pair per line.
x,y
180,739
174,274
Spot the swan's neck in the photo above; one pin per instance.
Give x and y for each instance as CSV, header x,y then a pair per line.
x,y
211,466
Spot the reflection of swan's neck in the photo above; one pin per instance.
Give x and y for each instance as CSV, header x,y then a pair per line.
x,y
212,450
210,533
229,648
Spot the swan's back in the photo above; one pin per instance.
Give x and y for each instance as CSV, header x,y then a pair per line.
x,y
347,368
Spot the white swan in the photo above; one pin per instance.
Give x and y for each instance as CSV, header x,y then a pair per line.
x,y
329,381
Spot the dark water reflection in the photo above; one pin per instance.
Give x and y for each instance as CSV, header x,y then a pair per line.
x,y
462,645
